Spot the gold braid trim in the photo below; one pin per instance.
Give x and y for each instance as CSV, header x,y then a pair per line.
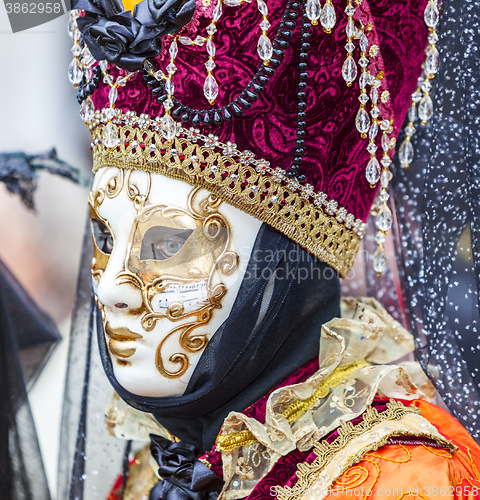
x,y
307,474
294,410
333,238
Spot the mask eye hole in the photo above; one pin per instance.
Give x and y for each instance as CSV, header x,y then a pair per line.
x,y
162,243
103,237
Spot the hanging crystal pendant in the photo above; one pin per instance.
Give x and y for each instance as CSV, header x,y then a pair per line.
x,y
87,110
110,136
425,109
384,218
405,153
432,14
380,260
362,121
373,171
169,128
349,70
265,48
432,61
75,73
313,10
210,89
328,17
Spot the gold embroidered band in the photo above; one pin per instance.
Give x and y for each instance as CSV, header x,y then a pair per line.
x,y
306,217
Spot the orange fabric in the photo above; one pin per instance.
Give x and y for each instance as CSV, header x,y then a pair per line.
x,y
403,472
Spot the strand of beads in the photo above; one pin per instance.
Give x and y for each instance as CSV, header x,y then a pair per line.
x,y
75,71
210,87
349,68
264,46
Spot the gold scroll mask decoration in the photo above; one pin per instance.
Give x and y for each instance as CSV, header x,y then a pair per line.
x,y
172,257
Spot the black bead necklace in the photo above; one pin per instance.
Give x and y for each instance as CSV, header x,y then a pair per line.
x,y
209,117
85,88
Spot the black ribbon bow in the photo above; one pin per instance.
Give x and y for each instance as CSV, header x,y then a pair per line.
x,y
184,477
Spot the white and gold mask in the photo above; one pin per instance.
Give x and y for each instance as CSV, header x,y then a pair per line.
x,y
168,262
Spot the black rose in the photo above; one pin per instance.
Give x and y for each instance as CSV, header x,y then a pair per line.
x,y
126,40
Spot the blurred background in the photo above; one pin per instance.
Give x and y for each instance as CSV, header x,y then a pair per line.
x,y
39,111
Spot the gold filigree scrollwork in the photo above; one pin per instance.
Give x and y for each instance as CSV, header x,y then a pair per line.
x,y
216,233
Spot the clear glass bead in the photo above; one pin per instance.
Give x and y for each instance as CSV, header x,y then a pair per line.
x,y
372,148
350,10
349,70
425,108
200,41
431,14
76,50
416,96
173,51
265,25
314,10
210,48
412,113
364,43
110,136
380,237
363,62
171,68
350,29
405,153
264,48
210,65
211,29
363,79
159,75
386,161
375,112
349,47
108,79
385,142
262,7
374,95
75,73
373,171
433,60
169,86
210,88
112,95
363,98
184,40
169,127
328,17
380,260
385,178
384,218
410,130
362,121
372,133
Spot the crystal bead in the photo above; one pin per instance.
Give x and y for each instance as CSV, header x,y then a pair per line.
x,y
432,61
363,98
168,104
384,218
76,51
384,125
169,128
159,75
380,237
372,133
75,73
262,7
431,14
385,178
362,121
380,260
200,40
410,130
374,95
211,29
184,40
110,136
108,79
372,148
349,47
71,27
426,86
109,114
373,171
385,142
210,88
412,113
112,95
363,79
88,72
328,17
76,35
376,82
432,38
314,10
350,30
89,110
375,112
171,68
265,25
232,3
74,14
416,96
386,161
169,86
383,196
349,10
349,70
364,43
87,57
173,51
264,48
210,65
210,48
425,108
405,153
363,62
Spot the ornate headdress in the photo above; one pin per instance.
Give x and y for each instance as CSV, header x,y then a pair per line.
x,y
296,125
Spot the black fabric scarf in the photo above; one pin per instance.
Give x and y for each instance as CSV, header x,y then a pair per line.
x,y
273,329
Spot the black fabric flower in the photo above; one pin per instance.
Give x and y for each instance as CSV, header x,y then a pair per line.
x,y
184,477
124,39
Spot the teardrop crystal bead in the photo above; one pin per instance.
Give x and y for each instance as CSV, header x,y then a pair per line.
x,y
373,132
349,70
210,88
431,14
75,73
380,260
350,30
425,108
262,7
362,121
264,48
384,218
169,128
433,60
405,153
328,17
314,10
373,171
110,136
87,110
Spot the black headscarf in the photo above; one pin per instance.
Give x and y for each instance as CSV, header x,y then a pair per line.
x,y
273,329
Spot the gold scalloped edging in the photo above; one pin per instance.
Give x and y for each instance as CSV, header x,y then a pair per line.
x,y
237,184
308,473
293,410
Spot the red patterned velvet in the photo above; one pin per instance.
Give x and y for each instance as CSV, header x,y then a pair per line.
x,y
335,155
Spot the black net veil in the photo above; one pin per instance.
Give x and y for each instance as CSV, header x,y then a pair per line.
x,y
438,212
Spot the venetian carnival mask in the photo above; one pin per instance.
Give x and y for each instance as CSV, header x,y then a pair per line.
x,y
168,262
